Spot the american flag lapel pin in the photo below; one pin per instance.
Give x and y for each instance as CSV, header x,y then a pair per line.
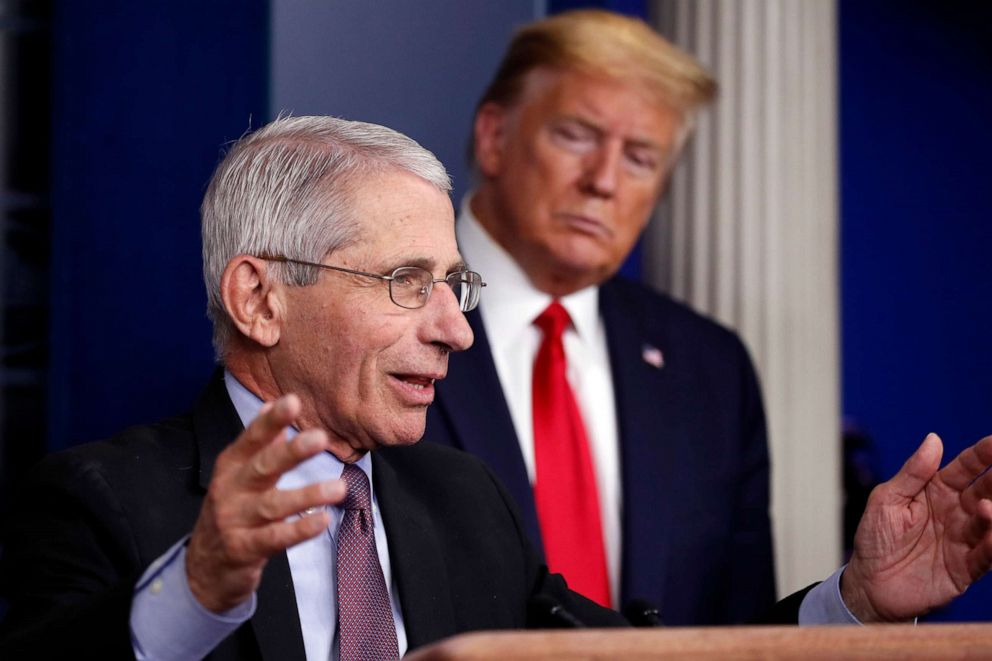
x,y
652,356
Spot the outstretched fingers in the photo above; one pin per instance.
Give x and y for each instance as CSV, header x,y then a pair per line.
x,y
979,489
268,540
275,505
264,468
266,427
972,462
979,558
245,519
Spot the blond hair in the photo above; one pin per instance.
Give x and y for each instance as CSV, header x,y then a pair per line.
x,y
606,44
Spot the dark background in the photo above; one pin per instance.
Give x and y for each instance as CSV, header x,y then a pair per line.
x,y
916,212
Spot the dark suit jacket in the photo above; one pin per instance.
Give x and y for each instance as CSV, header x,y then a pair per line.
x,y
693,454
92,519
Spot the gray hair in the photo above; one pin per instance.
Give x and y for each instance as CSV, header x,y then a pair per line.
x,y
287,189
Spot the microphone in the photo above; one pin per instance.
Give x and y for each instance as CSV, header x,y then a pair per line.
x,y
642,613
546,612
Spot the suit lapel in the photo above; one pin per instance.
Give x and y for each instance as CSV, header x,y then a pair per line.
x,y
275,624
471,394
648,432
215,423
416,556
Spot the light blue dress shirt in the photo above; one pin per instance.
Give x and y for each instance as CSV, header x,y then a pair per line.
x,y
168,623
824,605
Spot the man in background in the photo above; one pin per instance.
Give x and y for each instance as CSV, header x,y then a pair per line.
x,y
645,472
336,292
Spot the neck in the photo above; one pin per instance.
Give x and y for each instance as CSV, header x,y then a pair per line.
x,y
255,373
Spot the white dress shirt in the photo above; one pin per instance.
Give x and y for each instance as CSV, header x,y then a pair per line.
x,y
508,308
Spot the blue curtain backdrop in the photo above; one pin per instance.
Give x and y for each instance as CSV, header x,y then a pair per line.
x,y
144,94
916,101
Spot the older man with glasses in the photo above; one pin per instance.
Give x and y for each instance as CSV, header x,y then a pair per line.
x,y
332,274
292,513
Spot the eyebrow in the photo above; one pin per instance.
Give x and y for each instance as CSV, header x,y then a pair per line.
x,y
583,122
638,142
429,264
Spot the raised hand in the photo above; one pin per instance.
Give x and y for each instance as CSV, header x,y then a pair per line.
x,y
243,519
925,536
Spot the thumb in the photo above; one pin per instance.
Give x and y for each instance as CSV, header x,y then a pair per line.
x,y
919,468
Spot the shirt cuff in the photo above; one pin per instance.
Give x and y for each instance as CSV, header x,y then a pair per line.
x,y
167,622
824,605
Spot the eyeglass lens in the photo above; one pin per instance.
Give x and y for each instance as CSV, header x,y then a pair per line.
x,y
411,287
467,287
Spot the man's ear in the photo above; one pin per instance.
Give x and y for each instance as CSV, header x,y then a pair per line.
x,y
253,303
490,138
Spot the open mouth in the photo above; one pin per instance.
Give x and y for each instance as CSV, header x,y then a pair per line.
x,y
414,381
415,389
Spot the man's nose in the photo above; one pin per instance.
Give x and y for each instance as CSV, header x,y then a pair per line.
x,y
602,170
447,325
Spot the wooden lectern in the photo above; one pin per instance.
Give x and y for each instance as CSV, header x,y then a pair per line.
x,y
889,641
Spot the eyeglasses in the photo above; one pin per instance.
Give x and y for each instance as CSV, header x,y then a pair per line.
x,y
411,286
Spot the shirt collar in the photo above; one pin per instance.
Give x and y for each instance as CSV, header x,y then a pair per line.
x,y
509,295
248,404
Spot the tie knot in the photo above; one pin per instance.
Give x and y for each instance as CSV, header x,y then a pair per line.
x,y
554,320
357,482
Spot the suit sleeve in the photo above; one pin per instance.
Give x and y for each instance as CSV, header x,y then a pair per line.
x,y
68,570
751,583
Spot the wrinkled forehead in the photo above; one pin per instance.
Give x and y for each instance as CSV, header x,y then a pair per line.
x,y
400,216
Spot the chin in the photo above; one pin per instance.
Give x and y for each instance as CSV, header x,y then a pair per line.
x,y
407,435
408,440
582,271
579,256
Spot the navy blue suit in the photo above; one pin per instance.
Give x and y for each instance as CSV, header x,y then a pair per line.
x,y
693,453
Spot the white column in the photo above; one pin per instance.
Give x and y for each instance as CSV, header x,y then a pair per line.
x,y
748,235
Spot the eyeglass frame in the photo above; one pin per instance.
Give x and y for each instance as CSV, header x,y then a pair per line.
x,y
282,259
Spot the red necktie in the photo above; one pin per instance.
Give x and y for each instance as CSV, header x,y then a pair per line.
x,y
565,489
365,618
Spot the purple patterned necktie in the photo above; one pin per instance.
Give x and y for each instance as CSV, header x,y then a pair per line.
x,y
365,618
